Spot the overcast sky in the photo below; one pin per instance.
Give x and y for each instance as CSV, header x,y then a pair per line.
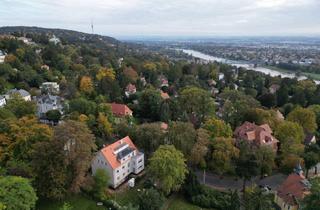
x,y
168,17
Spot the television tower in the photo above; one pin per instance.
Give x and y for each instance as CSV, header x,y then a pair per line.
x,y
92,27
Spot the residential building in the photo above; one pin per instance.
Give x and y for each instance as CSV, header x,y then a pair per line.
x,y
164,95
274,88
119,160
21,92
292,191
2,56
48,102
50,87
130,90
256,135
2,101
163,81
45,67
55,40
120,111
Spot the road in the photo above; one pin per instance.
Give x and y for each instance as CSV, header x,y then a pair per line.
x,y
232,183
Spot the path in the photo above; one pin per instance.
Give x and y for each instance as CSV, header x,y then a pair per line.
x,y
232,183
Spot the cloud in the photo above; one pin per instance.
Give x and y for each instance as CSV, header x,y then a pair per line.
x,y
168,17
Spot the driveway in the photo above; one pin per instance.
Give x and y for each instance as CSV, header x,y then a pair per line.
x,y
227,182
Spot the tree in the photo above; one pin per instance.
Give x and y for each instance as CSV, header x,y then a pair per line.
x,y
104,126
150,199
291,137
261,116
149,136
217,128
66,206
312,200
183,136
53,115
247,165
304,117
19,107
266,157
200,148
316,110
256,199
236,104
17,193
311,159
60,165
224,154
149,104
105,73
20,136
86,85
168,167
101,180
196,102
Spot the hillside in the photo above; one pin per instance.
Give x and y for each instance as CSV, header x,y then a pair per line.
x,y
64,34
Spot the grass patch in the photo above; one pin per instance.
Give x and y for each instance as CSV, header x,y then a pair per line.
x,y
78,202
179,203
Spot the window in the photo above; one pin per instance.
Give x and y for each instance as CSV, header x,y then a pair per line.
x,y
123,174
140,161
122,167
129,164
118,177
117,171
128,170
140,167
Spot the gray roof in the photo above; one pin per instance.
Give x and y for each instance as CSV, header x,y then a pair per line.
x,y
21,92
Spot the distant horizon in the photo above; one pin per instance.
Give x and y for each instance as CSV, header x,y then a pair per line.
x,y
152,37
127,18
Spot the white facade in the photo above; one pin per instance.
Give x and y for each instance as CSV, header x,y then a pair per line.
x,y
2,56
50,87
2,101
119,160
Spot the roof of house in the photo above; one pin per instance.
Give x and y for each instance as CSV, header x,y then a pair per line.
x,y
254,133
21,92
112,157
120,109
164,95
164,125
294,188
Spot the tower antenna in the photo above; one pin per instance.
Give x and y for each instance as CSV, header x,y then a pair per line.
x,y
92,27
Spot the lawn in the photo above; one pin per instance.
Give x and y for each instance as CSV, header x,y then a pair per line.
x,y
77,202
179,203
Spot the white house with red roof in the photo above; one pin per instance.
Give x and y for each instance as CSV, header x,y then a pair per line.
x,y
119,160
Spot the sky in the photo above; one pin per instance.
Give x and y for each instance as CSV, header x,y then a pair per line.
x,y
185,18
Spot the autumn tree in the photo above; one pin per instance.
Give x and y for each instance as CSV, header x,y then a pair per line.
x,y
168,167
17,193
61,164
86,85
105,73
304,117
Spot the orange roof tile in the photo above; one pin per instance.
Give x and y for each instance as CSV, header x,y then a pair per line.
x,y
110,156
120,110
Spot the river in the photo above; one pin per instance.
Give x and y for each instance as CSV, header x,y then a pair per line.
x,y
265,70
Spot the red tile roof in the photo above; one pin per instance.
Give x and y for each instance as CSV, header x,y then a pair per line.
x,y
164,95
120,110
110,156
257,135
294,188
